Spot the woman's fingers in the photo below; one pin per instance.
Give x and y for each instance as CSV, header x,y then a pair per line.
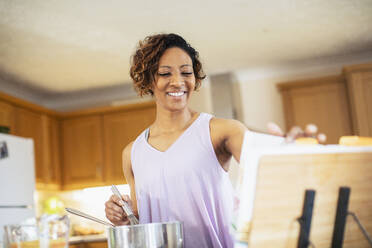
x,y
117,200
274,129
125,198
311,130
114,216
294,133
322,138
114,211
115,204
128,200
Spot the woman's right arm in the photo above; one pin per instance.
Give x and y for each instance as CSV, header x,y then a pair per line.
x,y
114,212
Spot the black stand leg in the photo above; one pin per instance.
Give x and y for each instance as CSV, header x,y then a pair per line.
x,y
341,214
305,219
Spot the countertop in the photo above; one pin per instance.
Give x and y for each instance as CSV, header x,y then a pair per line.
x,y
87,238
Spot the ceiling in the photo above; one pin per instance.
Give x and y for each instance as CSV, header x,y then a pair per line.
x,y
70,45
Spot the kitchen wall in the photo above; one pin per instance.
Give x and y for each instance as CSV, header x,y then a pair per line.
x,y
201,100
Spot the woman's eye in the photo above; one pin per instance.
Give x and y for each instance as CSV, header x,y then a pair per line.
x,y
187,73
165,74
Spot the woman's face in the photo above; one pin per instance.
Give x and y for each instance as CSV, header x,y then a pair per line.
x,y
174,80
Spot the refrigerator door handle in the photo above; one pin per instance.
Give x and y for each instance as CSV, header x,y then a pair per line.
x,y
17,206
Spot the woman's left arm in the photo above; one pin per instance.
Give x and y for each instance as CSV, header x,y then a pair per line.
x,y
228,136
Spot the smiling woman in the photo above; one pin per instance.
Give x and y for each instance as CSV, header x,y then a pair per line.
x,y
176,168
183,175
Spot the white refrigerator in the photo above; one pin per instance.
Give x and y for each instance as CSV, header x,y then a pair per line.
x,y
17,180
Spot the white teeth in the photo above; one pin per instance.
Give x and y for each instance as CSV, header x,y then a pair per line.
x,y
176,93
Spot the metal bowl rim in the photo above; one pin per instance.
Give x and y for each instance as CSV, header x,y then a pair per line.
x,y
175,223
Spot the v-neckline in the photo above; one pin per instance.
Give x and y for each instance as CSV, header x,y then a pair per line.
x,y
176,141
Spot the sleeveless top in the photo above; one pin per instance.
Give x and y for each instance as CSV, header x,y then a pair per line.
x,y
185,183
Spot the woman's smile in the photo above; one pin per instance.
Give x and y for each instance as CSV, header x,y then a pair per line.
x,y
177,94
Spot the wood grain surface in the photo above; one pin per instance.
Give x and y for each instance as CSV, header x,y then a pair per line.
x,y
281,184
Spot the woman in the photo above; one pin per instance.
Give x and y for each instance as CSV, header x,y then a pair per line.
x,y
177,168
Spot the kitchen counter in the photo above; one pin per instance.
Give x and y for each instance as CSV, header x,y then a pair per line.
x,y
87,239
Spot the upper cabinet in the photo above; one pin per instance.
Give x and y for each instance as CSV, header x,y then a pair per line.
x,y
339,105
82,142
7,115
44,131
53,178
31,124
77,149
120,129
359,83
322,101
93,144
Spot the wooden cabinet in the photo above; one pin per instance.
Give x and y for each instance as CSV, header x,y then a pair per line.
x,y
96,245
53,180
359,82
32,125
82,152
77,149
7,115
339,105
102,244
93,145
44,131
321,101
119,129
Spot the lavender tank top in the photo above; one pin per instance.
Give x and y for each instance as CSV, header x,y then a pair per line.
x,y
185,183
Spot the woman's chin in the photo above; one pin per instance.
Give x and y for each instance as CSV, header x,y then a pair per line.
x,y
175,107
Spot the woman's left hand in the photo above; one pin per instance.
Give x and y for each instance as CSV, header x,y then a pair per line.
x,y
295,132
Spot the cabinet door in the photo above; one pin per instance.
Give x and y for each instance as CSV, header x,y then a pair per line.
x,y
96,244
54,166
7,115
79,245
50,155
360,92
32,125
119,130
324,104
82,152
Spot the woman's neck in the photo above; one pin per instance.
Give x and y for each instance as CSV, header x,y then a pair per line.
x,y
172,121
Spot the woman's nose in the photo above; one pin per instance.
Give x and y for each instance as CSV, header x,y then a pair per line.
x,y
177,80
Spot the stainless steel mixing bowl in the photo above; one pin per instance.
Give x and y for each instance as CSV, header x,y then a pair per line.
x,y
159,235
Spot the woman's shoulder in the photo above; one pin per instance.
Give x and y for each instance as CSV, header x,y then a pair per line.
x,y
226,127
223,123
127,150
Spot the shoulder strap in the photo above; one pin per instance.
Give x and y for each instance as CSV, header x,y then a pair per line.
x,y
147,133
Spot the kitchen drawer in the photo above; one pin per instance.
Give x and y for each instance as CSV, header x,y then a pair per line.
x,y
101,244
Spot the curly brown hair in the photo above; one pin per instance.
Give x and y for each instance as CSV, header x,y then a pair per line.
x,y
145,61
